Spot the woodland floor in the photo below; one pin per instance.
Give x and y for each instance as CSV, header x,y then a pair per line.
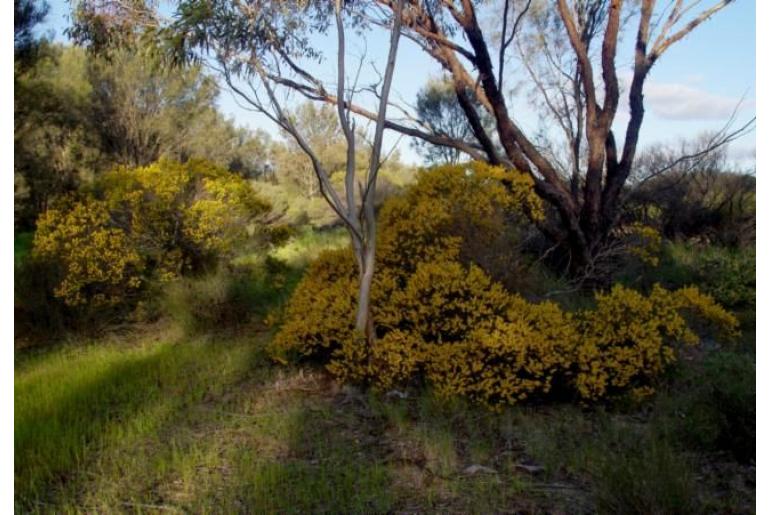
x,y
152,421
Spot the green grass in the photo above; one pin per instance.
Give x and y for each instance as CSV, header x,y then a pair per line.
x,y
203,425
155,421
74,403
308,244
22,245
163,419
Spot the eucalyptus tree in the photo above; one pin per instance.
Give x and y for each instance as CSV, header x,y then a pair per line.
x,y
438,109
259,48
474,42
27,14
473,55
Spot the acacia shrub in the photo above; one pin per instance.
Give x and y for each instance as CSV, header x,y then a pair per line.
x,y
443,320
509,359
629,339
95,261
472,213
154,223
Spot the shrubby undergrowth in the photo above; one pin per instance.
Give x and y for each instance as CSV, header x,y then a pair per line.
x,y
136,228
441,317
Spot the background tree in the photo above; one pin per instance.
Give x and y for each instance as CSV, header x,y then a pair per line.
x,y
584,191
27,14
689,193
145,109
78,114
320,127
105,25
55,144
437,107
452,34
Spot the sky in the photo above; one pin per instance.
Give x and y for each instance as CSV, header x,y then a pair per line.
x,y
693,88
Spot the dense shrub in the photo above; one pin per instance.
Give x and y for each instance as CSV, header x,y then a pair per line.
x,y
474,213
628,339
507,362
729,276
708,205
151,223
321,306
446,320
96,262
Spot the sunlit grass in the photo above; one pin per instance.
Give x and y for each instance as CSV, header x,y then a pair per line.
x,y
308,244
161,422
74,403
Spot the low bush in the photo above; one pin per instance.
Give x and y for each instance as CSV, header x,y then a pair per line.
x,y
727,274
95,261
137,227
629,338
443,319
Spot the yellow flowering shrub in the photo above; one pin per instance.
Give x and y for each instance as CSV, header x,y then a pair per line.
x,y
443,301
183,216
629,338
158,221
393,359
96,262
441,318
319,318
507,362
457,212
645,243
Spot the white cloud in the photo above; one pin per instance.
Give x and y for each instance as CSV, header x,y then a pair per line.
x,y
682,102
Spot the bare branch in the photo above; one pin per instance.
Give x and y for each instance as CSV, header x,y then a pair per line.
x,y
717,141
374,161
663,45
505,40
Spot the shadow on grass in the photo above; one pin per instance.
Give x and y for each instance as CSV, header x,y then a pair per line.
x,y
214,428
330,467
191,428
57,427
72,406
279,446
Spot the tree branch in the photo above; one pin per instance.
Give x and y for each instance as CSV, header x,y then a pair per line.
x,y
663,45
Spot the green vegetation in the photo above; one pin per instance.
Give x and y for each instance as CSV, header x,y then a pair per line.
x,y
187,411
22,245
440,318
198,329
153,420
306,246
